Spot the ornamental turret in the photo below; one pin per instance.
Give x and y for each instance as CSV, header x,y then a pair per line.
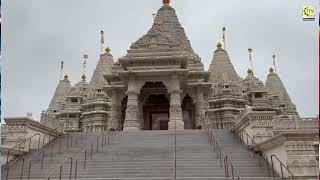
x,y
95,110
58,98
277,88
227,98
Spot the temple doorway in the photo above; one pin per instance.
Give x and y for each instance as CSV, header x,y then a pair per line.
x,y
156,113
155,106
188,113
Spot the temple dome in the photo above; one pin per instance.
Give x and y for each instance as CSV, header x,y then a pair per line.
x,y
221,68
58,98
275,85
103,67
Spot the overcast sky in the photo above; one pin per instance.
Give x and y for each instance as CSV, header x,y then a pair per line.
x,y
38,34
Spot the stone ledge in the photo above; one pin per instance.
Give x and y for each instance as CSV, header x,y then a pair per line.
x,y
32,124
296,135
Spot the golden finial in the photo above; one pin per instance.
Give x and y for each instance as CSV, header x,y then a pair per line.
x,y
250,71
107,50
83,77
271,70
219,45
66,76
166,2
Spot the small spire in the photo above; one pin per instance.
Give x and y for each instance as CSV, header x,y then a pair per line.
x,y
166,2
274,62
250,58
224,37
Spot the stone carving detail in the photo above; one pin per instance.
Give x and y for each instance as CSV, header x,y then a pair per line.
x,y
114,121
294,123
175,119
16,129
131,120
132,112
154,39
301,158
261,123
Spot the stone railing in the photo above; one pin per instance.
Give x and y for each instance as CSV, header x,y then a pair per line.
x,y
296,150
295,123
51,122
19,129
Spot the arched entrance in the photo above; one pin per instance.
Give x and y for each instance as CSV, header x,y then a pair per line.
x,y
188,113
155,106
156,113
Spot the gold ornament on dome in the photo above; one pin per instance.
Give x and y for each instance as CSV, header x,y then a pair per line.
x,y
107,50
166,2
219,45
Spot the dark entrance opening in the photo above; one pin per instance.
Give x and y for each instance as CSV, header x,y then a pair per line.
x,y
156,112
188,113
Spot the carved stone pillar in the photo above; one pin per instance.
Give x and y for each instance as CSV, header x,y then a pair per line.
x,y
132,122
175,119
200,109
114,121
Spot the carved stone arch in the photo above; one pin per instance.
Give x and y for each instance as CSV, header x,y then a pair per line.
x,y
188,111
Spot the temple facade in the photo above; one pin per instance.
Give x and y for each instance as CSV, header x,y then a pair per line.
x,y
161,84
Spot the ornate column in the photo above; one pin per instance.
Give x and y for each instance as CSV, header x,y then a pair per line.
x,y
200,108
114,121
131,122
175,118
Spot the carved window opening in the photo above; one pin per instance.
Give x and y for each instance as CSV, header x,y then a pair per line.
x,y
258,95
74,100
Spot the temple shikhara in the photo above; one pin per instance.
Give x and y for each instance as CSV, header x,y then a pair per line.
x,y
161,84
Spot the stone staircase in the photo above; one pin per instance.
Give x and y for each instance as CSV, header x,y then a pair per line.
x,y
246,164
144,155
